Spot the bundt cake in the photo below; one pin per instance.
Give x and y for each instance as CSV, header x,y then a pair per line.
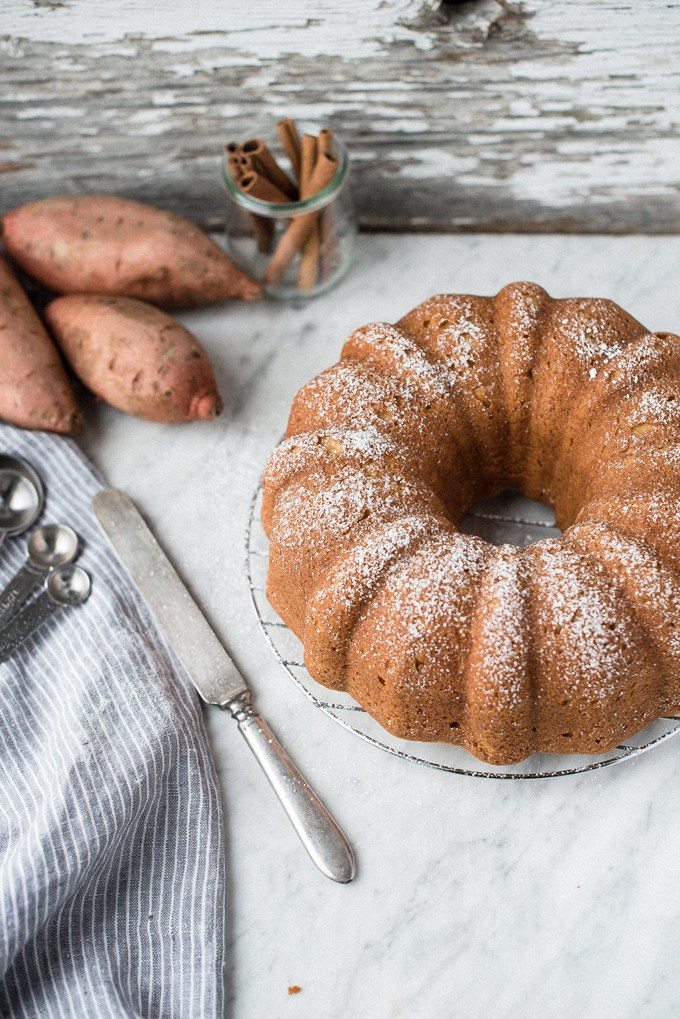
x,y
566,646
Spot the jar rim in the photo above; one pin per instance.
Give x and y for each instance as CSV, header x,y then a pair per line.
x,y
287,209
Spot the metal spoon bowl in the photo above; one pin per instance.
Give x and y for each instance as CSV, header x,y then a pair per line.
x,y
52,545
69,585
21,495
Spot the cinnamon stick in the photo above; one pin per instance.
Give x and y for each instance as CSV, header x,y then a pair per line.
x,y
328,246
258,186
233,151
301,227
308,155
238,165
263,228
266,166
290,139
309,261
325,141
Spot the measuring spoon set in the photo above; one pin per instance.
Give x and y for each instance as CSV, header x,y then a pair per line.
x,y
49,563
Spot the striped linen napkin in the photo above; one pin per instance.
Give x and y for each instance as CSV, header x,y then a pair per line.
x,y
111,836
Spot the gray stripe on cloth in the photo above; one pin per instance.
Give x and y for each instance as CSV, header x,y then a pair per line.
x,y
112,877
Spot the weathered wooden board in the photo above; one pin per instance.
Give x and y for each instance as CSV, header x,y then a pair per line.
x,y
540,115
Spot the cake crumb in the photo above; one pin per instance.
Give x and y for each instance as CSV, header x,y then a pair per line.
x,y
294,989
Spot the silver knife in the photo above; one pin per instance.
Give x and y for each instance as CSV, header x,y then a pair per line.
x,y
217,679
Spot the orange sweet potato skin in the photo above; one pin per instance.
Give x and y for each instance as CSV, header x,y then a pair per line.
x,y
34,389
98,244
135,357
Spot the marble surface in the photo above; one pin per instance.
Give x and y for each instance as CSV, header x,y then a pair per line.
x,y
473,897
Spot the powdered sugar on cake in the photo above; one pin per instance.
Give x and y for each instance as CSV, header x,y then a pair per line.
x,y
556,647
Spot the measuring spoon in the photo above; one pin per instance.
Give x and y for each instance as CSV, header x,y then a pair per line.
x,y
49,546
67,585
21,496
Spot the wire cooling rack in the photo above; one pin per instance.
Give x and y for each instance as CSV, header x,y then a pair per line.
x,y
508,518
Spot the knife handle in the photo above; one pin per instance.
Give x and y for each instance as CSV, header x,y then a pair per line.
x,y
318,832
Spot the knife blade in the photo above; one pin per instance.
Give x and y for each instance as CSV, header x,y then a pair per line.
x,y
193,640
216,678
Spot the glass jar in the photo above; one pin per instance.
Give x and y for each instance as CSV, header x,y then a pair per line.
x,y
295,249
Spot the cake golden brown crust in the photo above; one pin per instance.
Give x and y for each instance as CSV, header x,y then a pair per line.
x,y
567,646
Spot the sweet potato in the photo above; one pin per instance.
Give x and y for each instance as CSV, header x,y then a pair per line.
x,y
98,244
135,357
34,389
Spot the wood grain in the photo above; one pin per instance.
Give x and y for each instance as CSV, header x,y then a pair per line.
x,y
494,115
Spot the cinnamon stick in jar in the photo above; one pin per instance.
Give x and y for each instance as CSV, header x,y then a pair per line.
x,y
263,228
265,164
290,139
325,141
300,229
309,261
258,186
328,246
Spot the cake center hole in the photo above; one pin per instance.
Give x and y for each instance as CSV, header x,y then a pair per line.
x,y
510,519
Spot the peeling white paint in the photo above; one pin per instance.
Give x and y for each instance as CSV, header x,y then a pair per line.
x,y
352,28
426,164
538,112
37,112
